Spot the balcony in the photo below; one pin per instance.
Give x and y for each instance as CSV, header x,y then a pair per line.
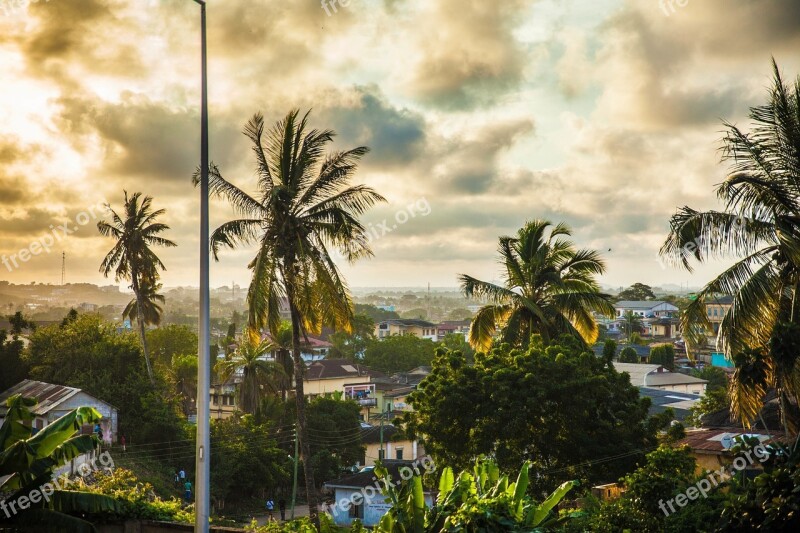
x,y
367,402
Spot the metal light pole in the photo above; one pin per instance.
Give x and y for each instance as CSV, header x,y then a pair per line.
x,y
294,483
203,451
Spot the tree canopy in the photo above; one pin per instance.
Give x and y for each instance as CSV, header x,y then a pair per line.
x,y
399,353
554,405
637,292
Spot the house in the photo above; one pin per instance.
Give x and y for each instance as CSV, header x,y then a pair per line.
x,y
331,375
372,396
716,309
359,496
664,327
406,326
54,401
711,447
388,442
661,400
449,327
645,308
413,376
658,377
223,399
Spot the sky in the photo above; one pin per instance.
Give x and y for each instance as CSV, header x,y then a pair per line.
x,y
605,114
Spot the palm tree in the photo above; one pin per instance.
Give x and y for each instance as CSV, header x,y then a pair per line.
x,y
258,374
548,288
633,323
131,257
304,206
760,226
151,311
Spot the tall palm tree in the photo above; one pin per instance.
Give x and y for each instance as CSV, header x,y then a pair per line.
x,y
548,288
131,258
151,310
633,323
760,227
304,206
259,375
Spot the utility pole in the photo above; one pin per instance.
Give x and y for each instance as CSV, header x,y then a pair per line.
x,y
381,452
203,449
63,267
294,483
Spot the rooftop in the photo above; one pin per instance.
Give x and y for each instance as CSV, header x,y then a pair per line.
x,y
338,368
409,322
366,477
47,395
710,440
641,304
643,375
660,400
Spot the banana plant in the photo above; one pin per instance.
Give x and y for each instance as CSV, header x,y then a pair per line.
x,y
27,463
478,500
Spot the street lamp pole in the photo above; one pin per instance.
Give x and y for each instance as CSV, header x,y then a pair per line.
x,y
203,450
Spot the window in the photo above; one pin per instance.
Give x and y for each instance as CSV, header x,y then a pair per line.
x,y
356,511
398,454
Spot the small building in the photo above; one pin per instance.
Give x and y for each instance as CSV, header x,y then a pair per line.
x,y
711,447
406,326
359,496
331,375
54,401
223,399
658,377
608,492
396,446
645,308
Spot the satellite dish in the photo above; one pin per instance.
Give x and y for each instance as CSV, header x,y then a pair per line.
x,y
726,442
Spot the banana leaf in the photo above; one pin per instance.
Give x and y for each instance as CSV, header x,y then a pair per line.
x,y
537,515
14,430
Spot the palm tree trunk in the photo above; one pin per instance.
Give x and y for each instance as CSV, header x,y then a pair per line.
x,y
300,402
140,319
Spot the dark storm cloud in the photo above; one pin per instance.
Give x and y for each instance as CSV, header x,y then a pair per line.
x,y
395,136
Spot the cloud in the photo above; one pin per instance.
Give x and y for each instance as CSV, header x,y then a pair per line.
x,y
466,54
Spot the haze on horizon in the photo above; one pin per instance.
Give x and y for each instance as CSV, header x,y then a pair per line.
x,y
605,114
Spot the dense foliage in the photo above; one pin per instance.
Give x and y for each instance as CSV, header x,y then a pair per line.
x,y
399,353
663,355
629,355
87,353
553,405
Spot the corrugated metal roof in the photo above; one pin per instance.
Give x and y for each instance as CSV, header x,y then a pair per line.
x,y
47,395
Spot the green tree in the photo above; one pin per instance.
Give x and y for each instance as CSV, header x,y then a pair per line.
x,y
249,461
14,366
132,259
610,350
525,406
259,376
375,313
168,341
629,355
637,292
712,400
399,353
89,354
460,313
305,207
663,355
632,324
353,344
548,288
335,431
758,227
183,372
716,377
457,342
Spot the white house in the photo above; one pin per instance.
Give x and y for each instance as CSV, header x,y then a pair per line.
x,y
645,309
359,496
54,401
